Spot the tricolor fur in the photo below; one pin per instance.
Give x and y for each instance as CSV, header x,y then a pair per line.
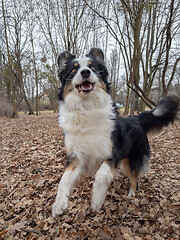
x,y
97,140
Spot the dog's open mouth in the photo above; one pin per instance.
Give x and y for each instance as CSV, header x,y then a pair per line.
x,y
86,87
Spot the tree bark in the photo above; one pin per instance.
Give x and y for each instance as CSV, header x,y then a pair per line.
x,y
36,76
168,46
11,77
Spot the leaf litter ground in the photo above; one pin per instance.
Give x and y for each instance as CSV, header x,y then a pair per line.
x,y
32,160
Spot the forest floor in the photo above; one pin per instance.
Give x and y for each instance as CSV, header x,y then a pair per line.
x,y
32,160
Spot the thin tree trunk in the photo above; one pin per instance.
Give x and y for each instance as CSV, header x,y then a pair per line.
x,y
168,46
27,102
21,85
11,77
36,76
126,110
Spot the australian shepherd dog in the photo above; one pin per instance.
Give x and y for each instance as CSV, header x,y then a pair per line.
x,y
97,140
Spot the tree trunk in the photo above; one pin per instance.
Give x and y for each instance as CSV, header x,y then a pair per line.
x,y
126,110
36,76
13,88
20,82
168,46
26,101
11,77
133,103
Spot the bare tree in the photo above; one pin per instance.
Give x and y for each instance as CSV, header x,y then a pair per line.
x,y
9,65
140,28
139,38
168,45
35,73
14,33
114,73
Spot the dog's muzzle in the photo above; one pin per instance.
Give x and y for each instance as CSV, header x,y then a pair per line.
x,y
86,86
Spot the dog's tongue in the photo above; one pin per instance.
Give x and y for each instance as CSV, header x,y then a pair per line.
x,y
86,85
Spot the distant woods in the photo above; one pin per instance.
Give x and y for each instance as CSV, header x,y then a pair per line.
x,y
140,39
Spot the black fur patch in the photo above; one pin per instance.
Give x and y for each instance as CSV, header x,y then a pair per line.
x,y
169,106
129,141
130,133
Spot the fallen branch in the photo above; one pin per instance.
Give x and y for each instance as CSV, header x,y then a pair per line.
x,y
32,231
12,192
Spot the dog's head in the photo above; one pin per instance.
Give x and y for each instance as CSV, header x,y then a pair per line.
x,y
82,77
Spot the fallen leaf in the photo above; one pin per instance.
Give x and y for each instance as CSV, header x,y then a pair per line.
x,y
126,236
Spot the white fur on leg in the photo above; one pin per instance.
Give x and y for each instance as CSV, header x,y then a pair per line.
x,y
103,178
65,186
131,193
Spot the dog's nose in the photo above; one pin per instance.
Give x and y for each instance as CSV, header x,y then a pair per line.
x,y
85,73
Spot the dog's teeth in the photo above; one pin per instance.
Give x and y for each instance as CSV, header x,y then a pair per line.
x,y
85,87
89,88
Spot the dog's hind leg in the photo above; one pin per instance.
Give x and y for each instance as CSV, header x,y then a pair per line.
x,y
69,178
103,179
133,177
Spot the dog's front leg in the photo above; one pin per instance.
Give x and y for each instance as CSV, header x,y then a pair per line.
x,y
70,176
103,179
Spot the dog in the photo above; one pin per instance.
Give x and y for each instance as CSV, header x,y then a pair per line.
x,y
97,140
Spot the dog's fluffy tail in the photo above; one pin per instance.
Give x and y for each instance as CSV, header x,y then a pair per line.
x,y
165,113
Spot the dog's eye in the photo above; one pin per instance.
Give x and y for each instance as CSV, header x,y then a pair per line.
x,y
74,70
93,69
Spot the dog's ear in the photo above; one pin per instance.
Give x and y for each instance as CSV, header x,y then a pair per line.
x,y
97,53
63,58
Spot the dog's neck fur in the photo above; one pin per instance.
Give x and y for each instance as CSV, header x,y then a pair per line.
x,y
87,124
76,109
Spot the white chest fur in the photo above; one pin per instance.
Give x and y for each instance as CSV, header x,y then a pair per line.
x,y
88,133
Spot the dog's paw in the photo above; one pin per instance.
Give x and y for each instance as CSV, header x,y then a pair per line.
x,y
96,207
131,193
96,204
59,207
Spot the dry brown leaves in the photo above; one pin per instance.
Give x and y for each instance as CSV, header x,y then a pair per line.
x,y
32,160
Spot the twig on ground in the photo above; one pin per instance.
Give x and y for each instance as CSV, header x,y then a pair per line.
x,y
31,231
